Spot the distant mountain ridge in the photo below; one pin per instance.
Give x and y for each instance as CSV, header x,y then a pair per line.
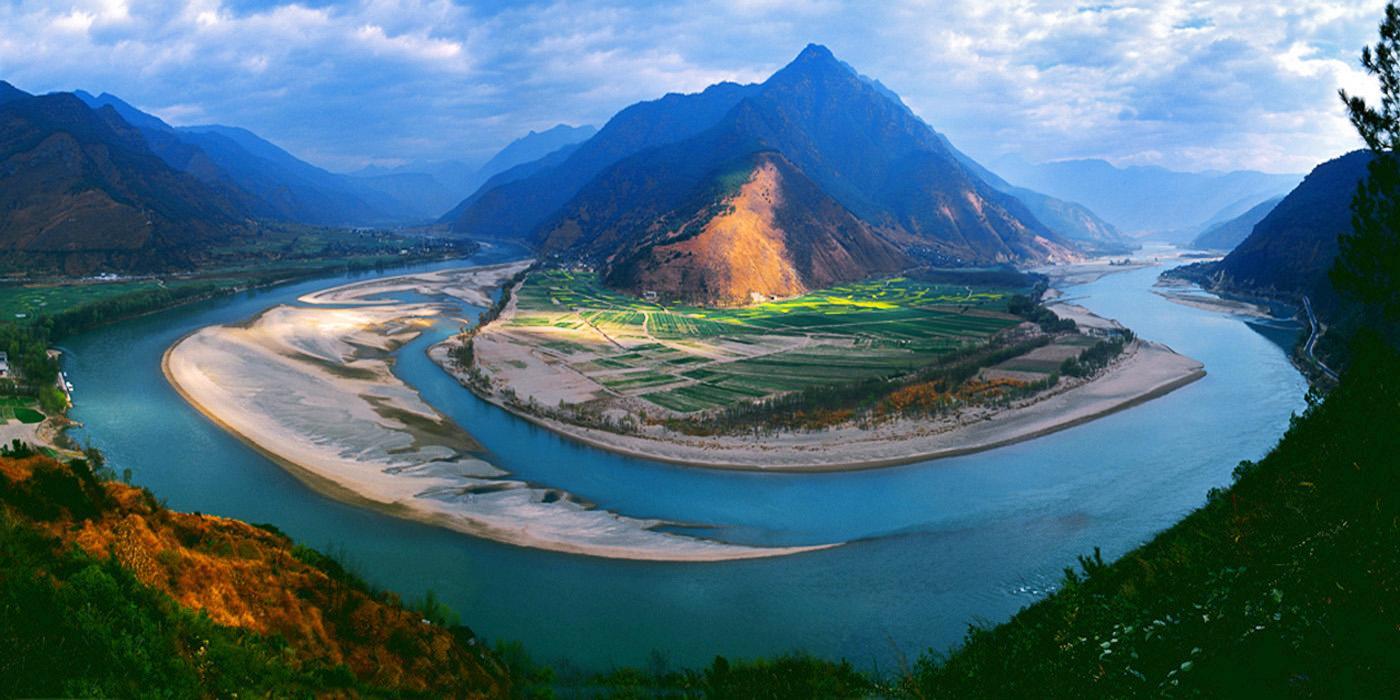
x,y
287,187
441,186
533,146
1228,234
1147,200
1073,221
648,197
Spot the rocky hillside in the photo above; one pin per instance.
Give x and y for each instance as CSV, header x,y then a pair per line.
x,y
105,592
777,234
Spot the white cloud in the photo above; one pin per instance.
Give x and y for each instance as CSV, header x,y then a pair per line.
x,y
1182,83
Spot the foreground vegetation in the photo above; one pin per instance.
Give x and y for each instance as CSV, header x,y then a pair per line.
x,y
105,593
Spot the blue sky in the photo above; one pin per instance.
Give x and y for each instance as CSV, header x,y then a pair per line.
x,y
1187,85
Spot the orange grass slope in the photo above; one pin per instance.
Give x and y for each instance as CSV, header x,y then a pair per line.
x,y
251,578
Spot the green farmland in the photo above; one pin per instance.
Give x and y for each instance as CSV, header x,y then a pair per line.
x,y
687,359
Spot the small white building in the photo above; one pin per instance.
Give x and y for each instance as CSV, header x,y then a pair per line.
x,y
4,365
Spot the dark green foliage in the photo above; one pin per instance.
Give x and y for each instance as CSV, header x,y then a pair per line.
x,y
435,611
331,565
1095,357
74,626
27,348
18,449
1368,265
52,400
1031,310
796,676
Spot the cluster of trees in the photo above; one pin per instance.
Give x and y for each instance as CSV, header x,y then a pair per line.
x,y
90,315
1028,308
27,348
1096,357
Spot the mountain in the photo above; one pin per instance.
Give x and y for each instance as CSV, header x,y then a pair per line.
x,y
436,187
285,187
1073,221
816,158
79,188
1290,250
1228,234
1068,219
534,146
1146,200
514,208
10,93
778,234
106,592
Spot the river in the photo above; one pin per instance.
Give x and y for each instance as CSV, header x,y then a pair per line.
x,y
931,547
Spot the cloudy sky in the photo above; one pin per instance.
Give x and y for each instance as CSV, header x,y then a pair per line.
x,y
1187,85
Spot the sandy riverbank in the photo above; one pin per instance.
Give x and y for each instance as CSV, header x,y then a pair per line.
x,y
312,388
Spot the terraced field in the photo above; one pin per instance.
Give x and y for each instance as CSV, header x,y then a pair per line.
x,y
686,359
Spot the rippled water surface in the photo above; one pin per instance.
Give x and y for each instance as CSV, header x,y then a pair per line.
x,y
932,546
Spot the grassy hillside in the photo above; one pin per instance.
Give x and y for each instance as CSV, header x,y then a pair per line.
x,y
104,592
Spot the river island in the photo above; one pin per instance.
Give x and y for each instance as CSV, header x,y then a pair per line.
x,y
865,375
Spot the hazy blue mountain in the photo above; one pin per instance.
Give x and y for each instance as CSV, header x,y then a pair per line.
x,y
516,207
534,146
1226,235
1073,221
81,189
285,187
456,176
1142,200
519,172
1069,219
436,187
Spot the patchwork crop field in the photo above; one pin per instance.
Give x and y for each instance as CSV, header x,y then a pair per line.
x,y
686,359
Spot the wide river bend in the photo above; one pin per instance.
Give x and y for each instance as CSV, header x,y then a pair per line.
x,y
932,546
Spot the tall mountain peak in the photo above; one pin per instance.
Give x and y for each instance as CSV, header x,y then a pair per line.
x,y
816,54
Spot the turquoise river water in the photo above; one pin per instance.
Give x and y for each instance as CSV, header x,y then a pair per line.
x,y
931,547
